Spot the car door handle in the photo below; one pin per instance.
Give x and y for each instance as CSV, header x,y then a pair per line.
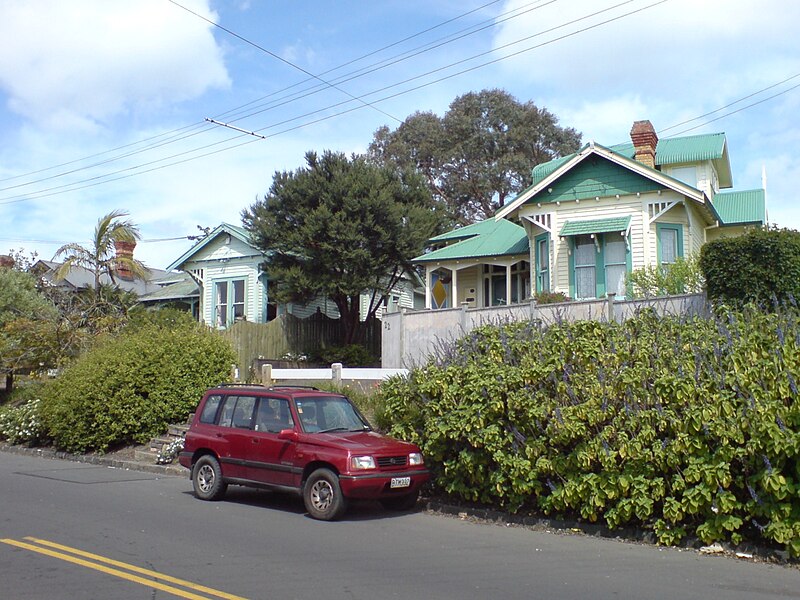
x,y
254,440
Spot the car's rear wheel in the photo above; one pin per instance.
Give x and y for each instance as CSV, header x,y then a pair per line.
x,y
207,479
323,497
406,502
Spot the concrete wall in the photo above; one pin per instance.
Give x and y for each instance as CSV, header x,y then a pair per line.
x,y
410,339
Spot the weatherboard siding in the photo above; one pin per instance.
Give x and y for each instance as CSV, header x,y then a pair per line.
x,y
628,205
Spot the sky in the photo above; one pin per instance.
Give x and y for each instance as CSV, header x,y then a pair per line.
x,y
103,103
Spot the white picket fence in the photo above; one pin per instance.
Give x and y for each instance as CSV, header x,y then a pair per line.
x,y
336,374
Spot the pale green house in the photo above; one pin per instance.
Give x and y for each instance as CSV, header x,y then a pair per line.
x,y
593,216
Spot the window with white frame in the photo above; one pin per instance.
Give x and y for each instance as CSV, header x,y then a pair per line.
x,y
615,257
670,242
585,267
229,300
543,263
494,283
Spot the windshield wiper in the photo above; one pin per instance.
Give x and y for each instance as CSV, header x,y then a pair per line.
x,y
332,429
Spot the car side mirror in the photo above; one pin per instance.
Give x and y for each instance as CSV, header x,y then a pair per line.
x,y
288,434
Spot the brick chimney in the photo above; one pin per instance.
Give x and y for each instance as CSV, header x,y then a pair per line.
x,y
6,261
124,250
644,140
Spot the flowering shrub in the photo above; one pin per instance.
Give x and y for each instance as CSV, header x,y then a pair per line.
x,y
686,427
22,424
169,453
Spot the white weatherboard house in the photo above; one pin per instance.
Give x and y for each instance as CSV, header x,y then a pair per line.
x,y
226,266
590,218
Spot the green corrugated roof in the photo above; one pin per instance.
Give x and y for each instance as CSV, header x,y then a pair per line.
x,y
490,238
669,151
184,288
466,232
678,150
746,206
595,226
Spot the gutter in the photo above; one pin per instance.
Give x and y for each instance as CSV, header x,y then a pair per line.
x,y
705,230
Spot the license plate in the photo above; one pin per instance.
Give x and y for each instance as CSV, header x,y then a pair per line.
x,y
400,482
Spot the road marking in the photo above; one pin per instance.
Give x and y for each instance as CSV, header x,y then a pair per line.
x,y
117,573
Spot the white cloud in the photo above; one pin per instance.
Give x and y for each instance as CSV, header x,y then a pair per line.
x,y
81,63
701,44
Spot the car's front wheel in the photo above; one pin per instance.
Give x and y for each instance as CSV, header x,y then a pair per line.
x,y
207,479
323,497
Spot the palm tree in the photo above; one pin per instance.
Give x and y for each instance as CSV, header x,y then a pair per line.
x,y
101,256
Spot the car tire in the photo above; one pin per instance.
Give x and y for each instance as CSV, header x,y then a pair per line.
x,y
323,497
406,502
207,479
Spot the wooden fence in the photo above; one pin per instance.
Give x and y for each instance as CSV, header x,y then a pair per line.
x,y
288,336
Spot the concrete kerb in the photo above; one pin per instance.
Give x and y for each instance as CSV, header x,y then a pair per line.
x,y
98,459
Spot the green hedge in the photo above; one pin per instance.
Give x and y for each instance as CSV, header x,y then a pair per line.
x,y
760,266
129,388
688,427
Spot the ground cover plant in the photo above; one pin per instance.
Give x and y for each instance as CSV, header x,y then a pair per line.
x,y
686,426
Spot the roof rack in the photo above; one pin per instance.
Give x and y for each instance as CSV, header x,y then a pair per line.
x,y
239,384
271,387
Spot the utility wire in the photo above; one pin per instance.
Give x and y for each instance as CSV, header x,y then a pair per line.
x,y
283,60
175,133
108,177
742,99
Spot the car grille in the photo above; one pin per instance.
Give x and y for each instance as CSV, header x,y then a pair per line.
x,y
392,462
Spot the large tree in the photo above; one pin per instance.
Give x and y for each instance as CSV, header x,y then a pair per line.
x,y
101,257
479,153
339,227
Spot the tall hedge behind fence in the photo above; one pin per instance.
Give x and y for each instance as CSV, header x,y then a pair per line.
x,y
686,426
289,335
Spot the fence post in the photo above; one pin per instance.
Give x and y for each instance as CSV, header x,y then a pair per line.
x,y
611,309
234,373
533,308
402,358
266,374
336,374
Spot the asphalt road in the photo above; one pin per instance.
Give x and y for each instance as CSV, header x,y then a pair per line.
x,y
76,531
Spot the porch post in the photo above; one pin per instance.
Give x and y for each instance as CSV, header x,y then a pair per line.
x,y
428,274
508,285
454,283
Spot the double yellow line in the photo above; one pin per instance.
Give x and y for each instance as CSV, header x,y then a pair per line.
x,y
96,562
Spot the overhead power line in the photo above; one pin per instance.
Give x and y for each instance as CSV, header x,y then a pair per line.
x,y
188,131
283,60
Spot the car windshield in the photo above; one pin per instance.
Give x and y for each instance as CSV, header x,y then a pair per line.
x,y
329,413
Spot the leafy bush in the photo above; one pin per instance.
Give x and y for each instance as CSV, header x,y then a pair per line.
x,y
551,297
353,355
681,277
129,388
756,267
688,427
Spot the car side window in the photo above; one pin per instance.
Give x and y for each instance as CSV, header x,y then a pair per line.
x,y
273,415
243,413
209,413
226,415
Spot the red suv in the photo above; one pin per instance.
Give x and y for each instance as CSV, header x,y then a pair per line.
x,y
301,440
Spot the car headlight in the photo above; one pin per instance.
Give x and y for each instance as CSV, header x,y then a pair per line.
x,y
415,458
362,462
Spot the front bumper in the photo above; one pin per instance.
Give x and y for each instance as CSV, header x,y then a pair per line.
x,y
376,485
